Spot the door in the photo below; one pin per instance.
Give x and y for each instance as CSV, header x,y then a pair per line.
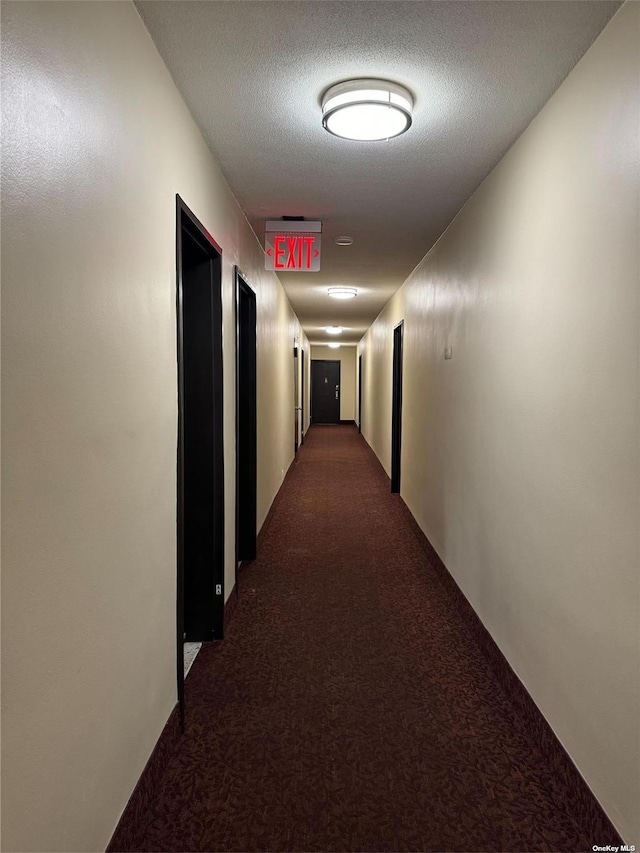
x,y
396,408
246,448
200,458
325,392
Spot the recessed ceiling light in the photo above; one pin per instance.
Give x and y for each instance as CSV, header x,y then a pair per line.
x,y
343,241
367,110
342,292
333,330
333,345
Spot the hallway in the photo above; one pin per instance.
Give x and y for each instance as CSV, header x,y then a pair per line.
x,y
351,707
434,204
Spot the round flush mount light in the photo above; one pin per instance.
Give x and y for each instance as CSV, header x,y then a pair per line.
x,y
367,110
342,292
343,241
333,330
333,345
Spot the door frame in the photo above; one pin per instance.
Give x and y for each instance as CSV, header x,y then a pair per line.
x,y
296,398
301,396
360,393
186,221
246,536
396,407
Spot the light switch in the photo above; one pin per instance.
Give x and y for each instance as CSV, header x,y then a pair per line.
x,y
448,352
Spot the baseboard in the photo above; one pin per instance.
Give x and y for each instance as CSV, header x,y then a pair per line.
x,y
348,422
274,504
139,800
528,718
230,606
232,602
124,836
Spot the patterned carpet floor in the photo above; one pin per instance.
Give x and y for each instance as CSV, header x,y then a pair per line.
x,y
349,707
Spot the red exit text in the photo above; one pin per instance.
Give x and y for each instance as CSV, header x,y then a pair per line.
x,y
294,252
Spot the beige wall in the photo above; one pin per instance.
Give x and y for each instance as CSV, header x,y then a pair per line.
x,y
277,329
96,143
346,355
520,454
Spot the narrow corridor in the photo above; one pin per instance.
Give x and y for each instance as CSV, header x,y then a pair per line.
x,y
350,707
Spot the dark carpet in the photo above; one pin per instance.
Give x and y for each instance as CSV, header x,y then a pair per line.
x,y
350,707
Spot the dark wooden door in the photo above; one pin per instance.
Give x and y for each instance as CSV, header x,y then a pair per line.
x,y
325,392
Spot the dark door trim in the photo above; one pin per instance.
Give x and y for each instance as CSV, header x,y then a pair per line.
x,y
359,393
302,396
246,421
396,407
188,224
296,399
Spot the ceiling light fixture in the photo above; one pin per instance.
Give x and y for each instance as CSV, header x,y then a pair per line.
x,y
367,110
333,330
342,292
333,345
343,241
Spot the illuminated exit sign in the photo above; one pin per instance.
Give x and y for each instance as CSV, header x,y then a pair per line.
x,y
292,246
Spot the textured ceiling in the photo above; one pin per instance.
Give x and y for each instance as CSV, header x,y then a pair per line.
x,y
252,74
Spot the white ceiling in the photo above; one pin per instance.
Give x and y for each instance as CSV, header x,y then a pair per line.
x,y
252,73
